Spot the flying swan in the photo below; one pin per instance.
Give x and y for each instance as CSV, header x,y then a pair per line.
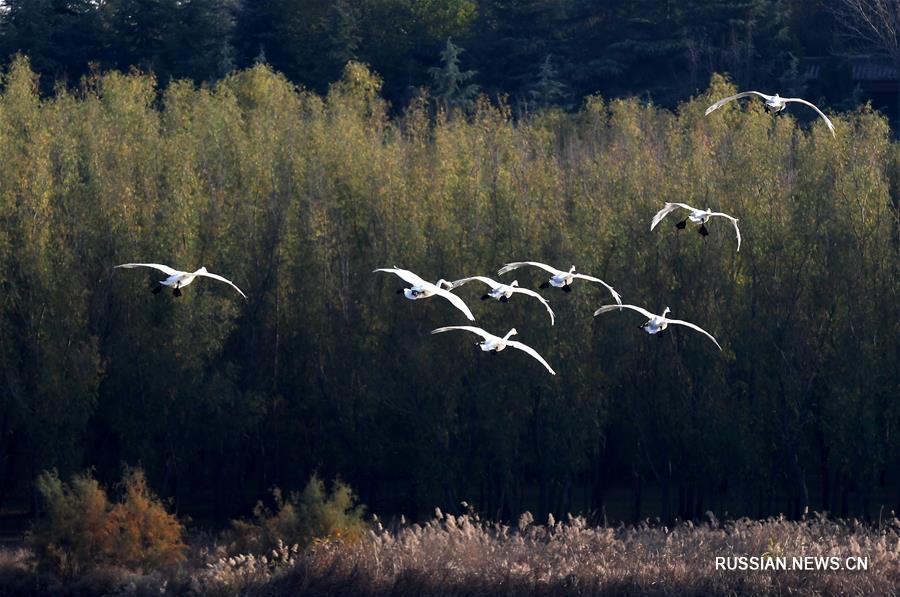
x,y
495,344
656,323
503,292
559,278
178,279
697,216
773,104
420,289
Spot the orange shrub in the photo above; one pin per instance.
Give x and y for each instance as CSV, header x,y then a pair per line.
x,y
146,536
83,530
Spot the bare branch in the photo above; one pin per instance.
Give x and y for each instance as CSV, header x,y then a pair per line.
x,y
874,23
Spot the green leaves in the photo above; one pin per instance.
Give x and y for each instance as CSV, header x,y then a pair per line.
x,y
297,197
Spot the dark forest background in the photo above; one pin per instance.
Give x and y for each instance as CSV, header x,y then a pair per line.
x,y
534,52
256,141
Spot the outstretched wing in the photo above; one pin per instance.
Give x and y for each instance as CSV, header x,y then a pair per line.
x,y
532,352
734,221
724,101
163,268
455,300
467,328
517,264
608,308
669,208
803,101
538,297
484,279
694,327
406,275
612,291
221,279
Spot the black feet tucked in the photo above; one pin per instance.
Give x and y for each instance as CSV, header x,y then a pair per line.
x,y
485,297
544,286
504,299
156,289
399,291
176,292
567,288
703,231
680,225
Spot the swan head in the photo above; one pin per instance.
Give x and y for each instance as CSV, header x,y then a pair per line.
x,y
665,311
572,270
510,333
514,283
442,283
202,270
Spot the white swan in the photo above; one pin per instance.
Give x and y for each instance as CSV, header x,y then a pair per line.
x,y
656,323
178,279
503,292
421,289
773,103
495,344
559,278
697,216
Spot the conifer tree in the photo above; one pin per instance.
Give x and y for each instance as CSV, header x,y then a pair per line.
x,y
451,85
548,89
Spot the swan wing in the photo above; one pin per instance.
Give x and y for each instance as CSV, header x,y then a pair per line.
x,y
455,300
804,102
517,264
608,308
406,275
540,298
484,279
466,328
532,352
669,208
163,268
612,291
734,222
694,327
724,101
221,279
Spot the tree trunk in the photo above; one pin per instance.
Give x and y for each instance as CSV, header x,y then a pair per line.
x,y
637,489
666,497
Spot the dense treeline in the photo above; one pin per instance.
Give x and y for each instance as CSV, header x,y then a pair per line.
x,y
662,50
298,197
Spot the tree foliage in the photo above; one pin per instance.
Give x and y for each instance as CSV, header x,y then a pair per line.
x,y
297,197
660,50
451,85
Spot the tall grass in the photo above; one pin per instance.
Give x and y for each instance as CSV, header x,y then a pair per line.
x,y
464,555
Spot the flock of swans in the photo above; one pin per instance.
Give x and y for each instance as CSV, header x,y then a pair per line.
x,y
420,289
561,279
